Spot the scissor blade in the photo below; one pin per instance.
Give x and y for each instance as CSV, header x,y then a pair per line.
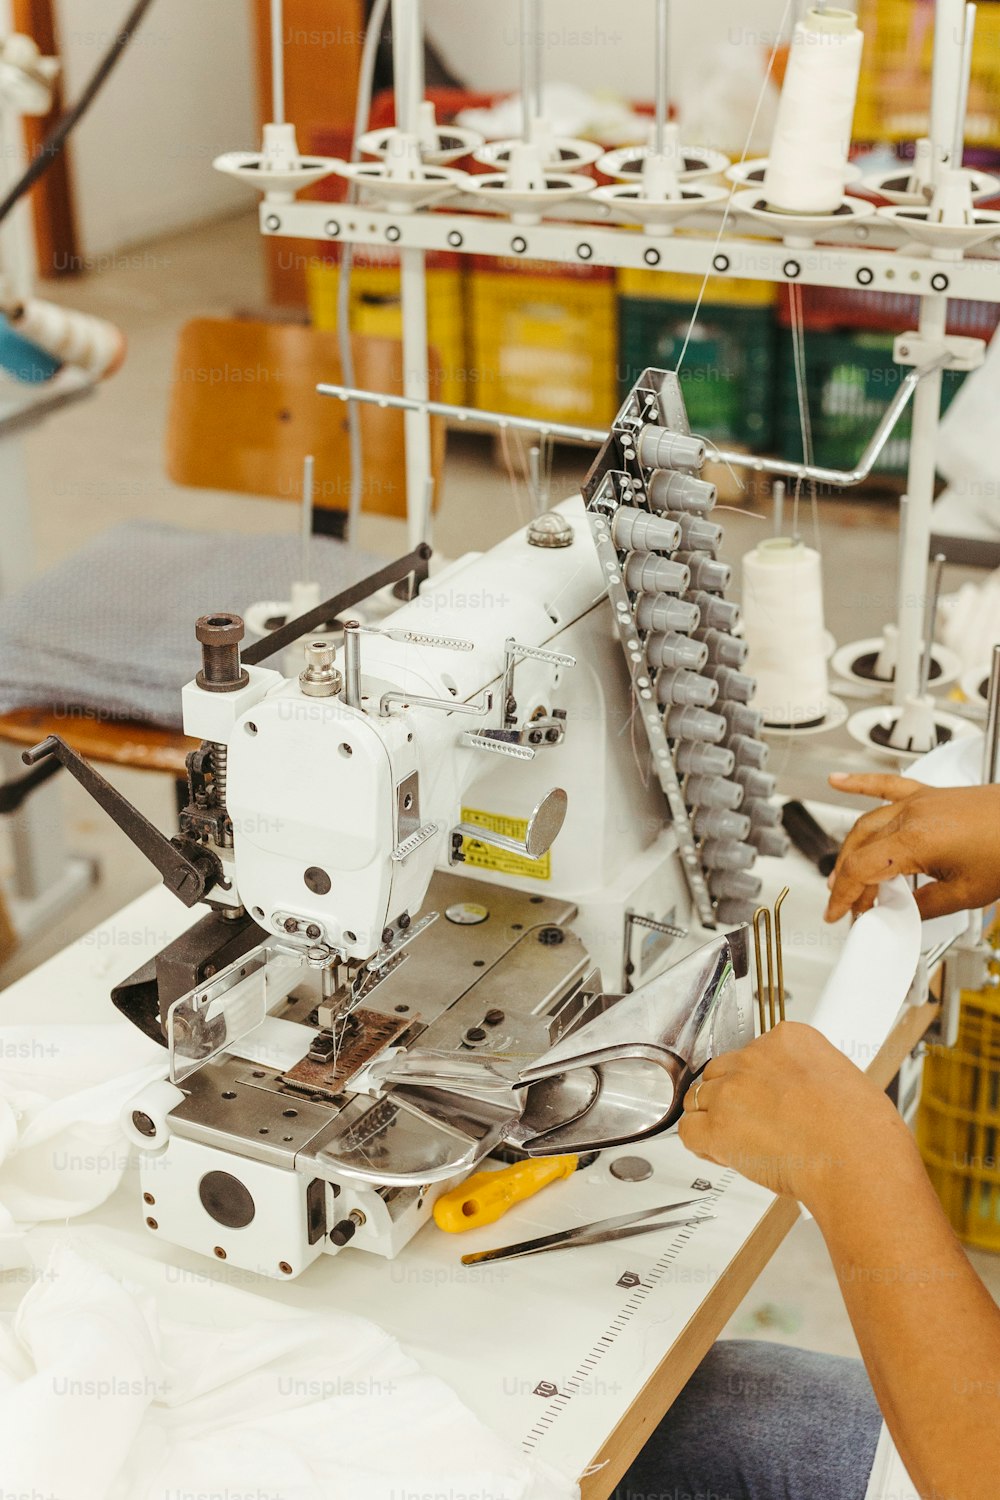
x,y
513,1252
570,1236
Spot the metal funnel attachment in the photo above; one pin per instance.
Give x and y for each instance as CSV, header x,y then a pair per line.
x,y
643,1053
431,1115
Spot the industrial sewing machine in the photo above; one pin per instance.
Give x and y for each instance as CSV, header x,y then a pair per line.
x,y
479,876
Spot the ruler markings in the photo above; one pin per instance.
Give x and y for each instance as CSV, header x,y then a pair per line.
x,y
638,1295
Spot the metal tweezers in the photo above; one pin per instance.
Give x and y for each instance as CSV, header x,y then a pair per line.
x,y
596,1233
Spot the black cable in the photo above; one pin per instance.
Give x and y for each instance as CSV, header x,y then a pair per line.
x,y
57,137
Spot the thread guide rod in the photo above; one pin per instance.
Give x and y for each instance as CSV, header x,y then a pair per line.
x,y
278,62
843,478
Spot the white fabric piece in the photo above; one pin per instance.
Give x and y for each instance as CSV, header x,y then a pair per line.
x,y
862,997
570,111
889,1479
970,620
965,451
104,1395
62,1151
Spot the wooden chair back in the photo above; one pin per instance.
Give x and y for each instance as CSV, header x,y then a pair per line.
x,y
244,412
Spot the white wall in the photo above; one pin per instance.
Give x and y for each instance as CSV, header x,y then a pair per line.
x,y
182,93
597,43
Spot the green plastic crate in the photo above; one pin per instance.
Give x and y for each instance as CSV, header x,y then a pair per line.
x,y
850,380
728,370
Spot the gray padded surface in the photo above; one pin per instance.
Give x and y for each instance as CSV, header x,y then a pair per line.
x,y
110,631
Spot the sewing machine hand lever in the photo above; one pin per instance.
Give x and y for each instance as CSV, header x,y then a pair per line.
x,y
188,869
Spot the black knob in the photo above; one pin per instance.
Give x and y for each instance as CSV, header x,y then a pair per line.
x,y
345,1231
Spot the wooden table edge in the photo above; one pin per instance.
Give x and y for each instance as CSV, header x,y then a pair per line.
x,y
701,1331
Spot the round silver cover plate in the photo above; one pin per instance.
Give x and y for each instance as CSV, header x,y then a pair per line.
x,y
631,1169
467,913
545,823
550,530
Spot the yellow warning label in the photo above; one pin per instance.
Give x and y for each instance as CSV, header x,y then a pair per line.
x,y
485,857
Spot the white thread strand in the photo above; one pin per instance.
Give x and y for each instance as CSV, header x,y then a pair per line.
x,y
729,201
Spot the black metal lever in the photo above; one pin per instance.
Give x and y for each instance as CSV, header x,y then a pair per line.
x,y
415,565
188,869
13,793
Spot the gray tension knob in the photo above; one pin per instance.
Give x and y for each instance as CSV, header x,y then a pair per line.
x,y
664,612
668,490
637,529
668,649
655,575
694,724
686,688
713,791
710,760
659,448
716,613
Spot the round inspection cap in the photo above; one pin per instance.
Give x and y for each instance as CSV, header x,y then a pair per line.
x,y
550,530
631,1169
467,913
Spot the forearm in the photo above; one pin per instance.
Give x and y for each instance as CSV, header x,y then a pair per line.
x,y
928,1330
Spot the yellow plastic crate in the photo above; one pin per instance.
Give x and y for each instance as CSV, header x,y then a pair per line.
x,y
675,286
544,345
376,311
958,1122
895,89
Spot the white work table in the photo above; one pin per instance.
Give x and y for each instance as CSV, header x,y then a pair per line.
x,y
575,1355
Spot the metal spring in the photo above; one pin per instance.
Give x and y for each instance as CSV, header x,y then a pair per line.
x,y
220,773
220,770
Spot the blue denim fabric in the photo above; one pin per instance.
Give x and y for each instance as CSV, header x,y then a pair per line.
x,y
761,1421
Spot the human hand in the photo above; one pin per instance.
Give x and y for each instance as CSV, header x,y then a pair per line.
x,y
949,833
791,1112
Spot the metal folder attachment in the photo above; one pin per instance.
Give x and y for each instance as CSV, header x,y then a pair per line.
x,y
770,998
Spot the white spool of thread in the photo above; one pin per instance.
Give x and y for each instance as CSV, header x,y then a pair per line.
x,y
812,132
783,622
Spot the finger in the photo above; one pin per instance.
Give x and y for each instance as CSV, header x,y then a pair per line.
x,y
939,899
694,1132
876,784
875,824
699,1095
865,901
867,825
722,1063
870,865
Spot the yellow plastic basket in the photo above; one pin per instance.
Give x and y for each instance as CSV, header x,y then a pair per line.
x,y
958,1122
895,88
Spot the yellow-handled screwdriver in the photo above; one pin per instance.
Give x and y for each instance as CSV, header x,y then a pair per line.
x,y
486,1196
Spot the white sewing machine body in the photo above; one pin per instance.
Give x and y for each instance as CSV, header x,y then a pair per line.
x,y
314,784
455,904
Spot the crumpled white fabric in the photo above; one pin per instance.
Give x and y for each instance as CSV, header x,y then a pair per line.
x,y
62,1151
104,1395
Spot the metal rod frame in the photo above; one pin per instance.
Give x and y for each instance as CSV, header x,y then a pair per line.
x,y
842,478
